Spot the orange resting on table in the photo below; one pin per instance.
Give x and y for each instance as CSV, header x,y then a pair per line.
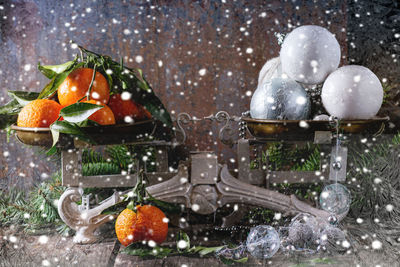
x,y
39,113
123,108
103,116
76,85
147,223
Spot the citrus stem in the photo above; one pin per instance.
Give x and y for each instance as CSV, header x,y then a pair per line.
x,y
91,83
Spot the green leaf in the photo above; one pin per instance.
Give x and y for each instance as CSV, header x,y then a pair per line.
x,y
51,151
66,127
47,90
56,135
163,205
136,249
158,111
11,108
79,111
50,71
72,129
204,250
87,123
57,80
23,97
6,120
183,236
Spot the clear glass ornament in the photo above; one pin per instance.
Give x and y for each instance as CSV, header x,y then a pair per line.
x,y
335,198
263,241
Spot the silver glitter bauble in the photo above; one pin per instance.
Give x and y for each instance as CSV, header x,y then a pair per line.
x,y
352,92
263,241
280,99
335,198
309,54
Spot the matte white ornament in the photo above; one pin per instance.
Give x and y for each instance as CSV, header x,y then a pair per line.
x,y
271,69
352,92
309,54
321,117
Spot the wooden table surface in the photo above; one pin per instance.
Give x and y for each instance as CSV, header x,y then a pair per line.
x,y
61,251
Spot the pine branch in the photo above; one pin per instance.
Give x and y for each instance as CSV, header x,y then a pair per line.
x,y
120,156
91,156
100,168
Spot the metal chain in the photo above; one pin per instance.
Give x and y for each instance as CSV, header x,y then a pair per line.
x,y
242,125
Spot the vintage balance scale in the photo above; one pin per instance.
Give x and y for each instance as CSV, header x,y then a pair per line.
x,y
201,183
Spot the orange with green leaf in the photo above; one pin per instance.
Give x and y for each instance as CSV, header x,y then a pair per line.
x,y
83,88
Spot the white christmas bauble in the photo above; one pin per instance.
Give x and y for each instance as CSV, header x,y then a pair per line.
x,y
309,54
280,99
352,92
321,117
271,69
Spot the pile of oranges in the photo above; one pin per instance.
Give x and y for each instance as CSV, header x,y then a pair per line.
x,y
43,112
147,223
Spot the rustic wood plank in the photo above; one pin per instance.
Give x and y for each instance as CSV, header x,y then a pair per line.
x,y
58,250
124,260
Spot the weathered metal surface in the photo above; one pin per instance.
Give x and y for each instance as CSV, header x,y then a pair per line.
x,y
174,39
246,174
204,168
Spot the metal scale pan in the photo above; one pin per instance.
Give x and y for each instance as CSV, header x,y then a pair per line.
x,y
303,129
102,135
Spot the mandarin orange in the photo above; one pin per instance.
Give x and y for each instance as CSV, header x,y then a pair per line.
x,y
76,86
127,108
103,116
147,223
39,113
157,223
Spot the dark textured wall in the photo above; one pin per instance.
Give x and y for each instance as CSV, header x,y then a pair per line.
x,y
170,40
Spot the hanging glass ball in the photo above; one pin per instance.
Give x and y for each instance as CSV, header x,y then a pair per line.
x,y
333,239
309,54
352,92
280,99
335,198
263,241
303,230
